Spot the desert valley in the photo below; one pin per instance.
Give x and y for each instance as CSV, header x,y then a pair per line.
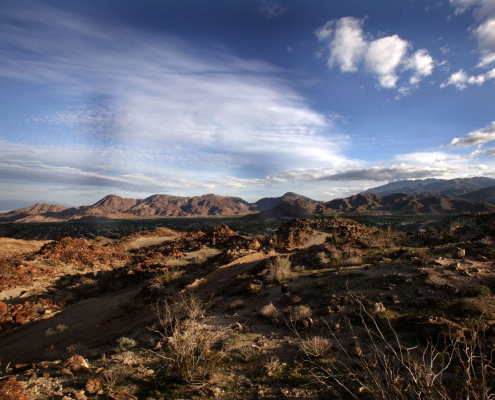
x,y
246,200
372,296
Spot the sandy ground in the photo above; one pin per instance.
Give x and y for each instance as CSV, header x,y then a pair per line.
x,y
10,247
90,322
149,241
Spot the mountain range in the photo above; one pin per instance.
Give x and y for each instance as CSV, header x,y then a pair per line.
x,y
444,187
288,205
156,206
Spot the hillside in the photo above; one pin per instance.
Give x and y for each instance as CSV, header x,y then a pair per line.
x,y
486,194
158,314
444,187
405,204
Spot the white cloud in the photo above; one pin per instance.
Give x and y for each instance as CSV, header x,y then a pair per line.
x,y
484,15
384,57
477,137
349,47
422,64
461,80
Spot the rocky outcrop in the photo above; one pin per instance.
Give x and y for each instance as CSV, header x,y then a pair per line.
x,y
14,315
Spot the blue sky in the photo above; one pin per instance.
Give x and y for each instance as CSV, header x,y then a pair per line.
x,y
244,98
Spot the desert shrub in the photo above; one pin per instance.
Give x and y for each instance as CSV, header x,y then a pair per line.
x,y
200,257
237,304
370,361
322,259
271,312
272,365
247,353
167,276
59,329
115,375
192,349
385,237
77,348
279,269
478,291
127,305
253,289
352,261
126,357
124,343
315,346
300,312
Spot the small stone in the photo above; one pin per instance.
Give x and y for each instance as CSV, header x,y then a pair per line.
x,y
93,385
459,253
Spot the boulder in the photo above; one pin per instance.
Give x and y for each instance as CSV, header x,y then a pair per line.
x,y
77,364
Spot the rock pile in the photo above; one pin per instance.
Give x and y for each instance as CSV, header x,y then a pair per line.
x,y
13,315
82,253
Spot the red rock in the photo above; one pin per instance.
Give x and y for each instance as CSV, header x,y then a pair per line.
x,y
10,389
93,385
77,364
3,308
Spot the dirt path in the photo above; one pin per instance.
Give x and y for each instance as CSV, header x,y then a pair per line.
x,y
316,239
90,322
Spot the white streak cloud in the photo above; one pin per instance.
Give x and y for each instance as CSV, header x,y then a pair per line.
x,y
477,137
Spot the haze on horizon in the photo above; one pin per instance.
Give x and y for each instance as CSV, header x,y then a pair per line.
x,y
246,98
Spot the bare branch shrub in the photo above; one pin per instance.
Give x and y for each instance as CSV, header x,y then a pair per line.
x,y
191,348
370,361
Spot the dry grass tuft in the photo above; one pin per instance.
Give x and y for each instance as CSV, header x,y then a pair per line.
x,y
280,269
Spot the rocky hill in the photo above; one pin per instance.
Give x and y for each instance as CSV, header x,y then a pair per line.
x,y
268,203
444,187
289,208
116,207
32,211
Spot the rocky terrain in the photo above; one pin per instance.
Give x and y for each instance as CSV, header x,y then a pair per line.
x,y
320,308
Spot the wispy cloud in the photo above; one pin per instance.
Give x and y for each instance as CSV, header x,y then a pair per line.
x,y
271,9
205,103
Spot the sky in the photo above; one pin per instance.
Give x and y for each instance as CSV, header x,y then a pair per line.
x,y
242,98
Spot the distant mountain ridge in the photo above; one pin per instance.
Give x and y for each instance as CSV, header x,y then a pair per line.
x,y
397,203
9,205
443,187
486,194
288,205
159,205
